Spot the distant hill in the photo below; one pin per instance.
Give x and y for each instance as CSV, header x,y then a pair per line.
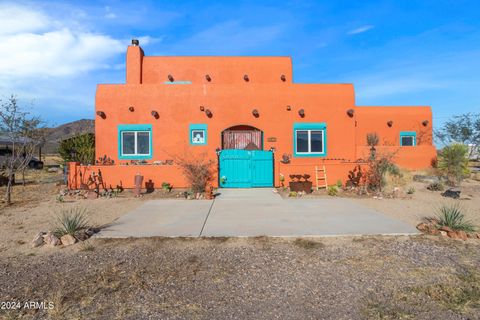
x,y
67,130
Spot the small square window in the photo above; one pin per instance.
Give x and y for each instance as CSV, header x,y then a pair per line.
x,y
408,138
198,136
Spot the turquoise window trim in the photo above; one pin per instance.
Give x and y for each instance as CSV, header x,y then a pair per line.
x,y
134,127
178,82
198,126
408,134
310,126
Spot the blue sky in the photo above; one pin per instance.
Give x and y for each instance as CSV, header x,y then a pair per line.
x,y
53,53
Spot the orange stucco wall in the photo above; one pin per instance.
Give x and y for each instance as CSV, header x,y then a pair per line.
x,y
231,100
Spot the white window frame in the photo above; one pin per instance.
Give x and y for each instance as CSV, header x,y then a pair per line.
x,y
309,131
135,132
198,130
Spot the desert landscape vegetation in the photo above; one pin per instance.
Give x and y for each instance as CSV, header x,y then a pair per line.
x,y
371,277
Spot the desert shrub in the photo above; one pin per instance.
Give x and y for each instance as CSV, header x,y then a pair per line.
x,y
70,221
308,244
411,190
435,186
197,171
453,163
339,184
166,186
293,194
378,169
451,216
80,148
332,191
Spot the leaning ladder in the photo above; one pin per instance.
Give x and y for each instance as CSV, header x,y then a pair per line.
x,y
321,177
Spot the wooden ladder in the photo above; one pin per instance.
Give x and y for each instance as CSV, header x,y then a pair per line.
x,y
321,176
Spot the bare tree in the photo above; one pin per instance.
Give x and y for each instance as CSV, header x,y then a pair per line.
x,y
24,136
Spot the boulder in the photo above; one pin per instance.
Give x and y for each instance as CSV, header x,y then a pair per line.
x,y
453,235
38,239
453,193
445,228
443,233
462,235
423,227
51,239
68,240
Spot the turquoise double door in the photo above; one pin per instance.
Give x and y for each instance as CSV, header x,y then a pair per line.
x,y
246,168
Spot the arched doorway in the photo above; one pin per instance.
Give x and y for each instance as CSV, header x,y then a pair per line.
x,y
242,161
242,137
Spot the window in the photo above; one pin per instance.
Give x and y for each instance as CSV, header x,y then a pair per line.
x,y
198,134
135,141
408,138
309,139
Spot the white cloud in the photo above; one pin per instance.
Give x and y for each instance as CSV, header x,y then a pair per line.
x,y
38,47
360,29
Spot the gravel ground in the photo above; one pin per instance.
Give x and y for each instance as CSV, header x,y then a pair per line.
x,y
249,278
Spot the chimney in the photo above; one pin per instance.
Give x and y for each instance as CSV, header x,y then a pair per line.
x,y
134,63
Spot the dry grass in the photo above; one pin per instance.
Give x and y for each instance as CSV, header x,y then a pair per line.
x,y
308,243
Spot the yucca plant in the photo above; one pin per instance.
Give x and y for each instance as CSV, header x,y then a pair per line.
x,y
451,216
70,221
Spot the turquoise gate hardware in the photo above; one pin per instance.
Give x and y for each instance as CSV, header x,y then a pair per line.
x,y
245,168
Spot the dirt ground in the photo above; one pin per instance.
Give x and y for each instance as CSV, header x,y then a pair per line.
x,y
36,208
249,278
419,277
413,208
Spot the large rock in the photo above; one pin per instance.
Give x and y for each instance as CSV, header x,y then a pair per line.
x,y
38,239
68,240
462,235
452,193
51,240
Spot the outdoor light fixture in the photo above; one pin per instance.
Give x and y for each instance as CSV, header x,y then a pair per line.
x,y
283,78
255,113
245,77
208,78
272,149
135,42
289,108
390,123
425,123
170,78
155,114
101,114
209,113
350,112
131,109
202,108
301,112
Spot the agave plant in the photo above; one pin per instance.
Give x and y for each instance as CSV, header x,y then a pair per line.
x,y
70,221
451,216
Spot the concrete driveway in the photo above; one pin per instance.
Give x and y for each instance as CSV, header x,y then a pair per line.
x,y
253,212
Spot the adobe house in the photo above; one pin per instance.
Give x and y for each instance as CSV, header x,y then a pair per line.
x,y
247,115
